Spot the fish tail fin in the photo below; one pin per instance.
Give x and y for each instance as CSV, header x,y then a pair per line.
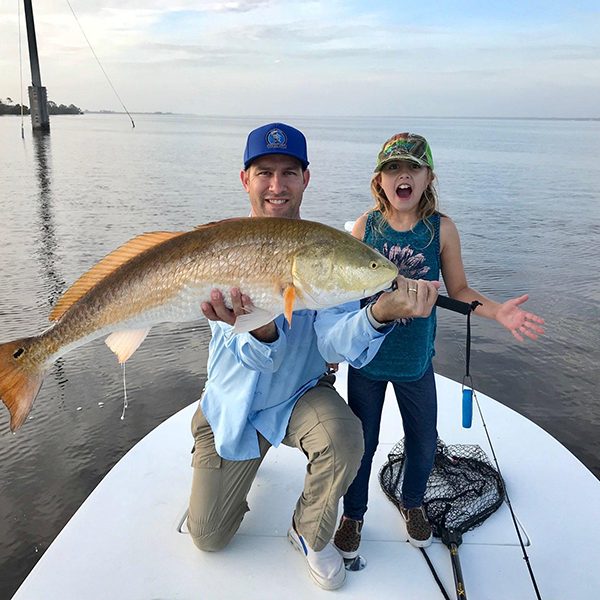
x,y
20,380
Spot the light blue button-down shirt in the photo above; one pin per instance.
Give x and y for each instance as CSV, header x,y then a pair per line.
x,y
253,386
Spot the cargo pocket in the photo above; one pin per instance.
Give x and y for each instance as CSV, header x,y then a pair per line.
x,y
203,460
204,453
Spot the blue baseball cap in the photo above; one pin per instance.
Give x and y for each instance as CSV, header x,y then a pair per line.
x,y
275,138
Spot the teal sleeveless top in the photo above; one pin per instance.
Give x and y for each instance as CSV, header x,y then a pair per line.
x,y
406,352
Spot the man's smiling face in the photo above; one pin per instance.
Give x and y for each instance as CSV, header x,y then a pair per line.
x,y
275,184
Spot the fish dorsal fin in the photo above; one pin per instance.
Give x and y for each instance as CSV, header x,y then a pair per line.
x,y
213,223
106,266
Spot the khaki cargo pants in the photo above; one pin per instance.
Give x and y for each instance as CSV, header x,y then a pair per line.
x,y
323,427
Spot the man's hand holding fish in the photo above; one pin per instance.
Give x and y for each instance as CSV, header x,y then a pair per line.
x,y
411,298
282,296
271,383
241,304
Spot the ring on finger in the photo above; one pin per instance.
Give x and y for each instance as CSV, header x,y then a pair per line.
x,y
410,289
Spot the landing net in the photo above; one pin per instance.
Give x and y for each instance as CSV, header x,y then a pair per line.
x,y
463,490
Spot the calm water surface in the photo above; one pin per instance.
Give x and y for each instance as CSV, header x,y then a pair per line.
x,y
524,194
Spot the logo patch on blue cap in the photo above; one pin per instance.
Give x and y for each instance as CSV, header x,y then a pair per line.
x,y
276,139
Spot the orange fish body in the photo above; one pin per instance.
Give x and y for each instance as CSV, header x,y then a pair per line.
x,y
281,264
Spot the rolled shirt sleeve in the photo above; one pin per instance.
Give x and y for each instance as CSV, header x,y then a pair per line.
x,y
265,357
344,333
253,386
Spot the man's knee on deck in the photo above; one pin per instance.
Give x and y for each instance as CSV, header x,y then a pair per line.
x,y
208,539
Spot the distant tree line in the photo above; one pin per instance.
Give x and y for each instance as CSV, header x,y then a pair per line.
x,y
8,107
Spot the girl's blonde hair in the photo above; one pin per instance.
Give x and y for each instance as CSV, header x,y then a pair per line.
x,y
428,203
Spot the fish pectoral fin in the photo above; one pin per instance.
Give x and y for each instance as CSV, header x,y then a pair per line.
x,y
289,297
125,343
255,318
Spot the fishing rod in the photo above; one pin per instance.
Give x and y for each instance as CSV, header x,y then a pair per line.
x,y
100,65
510,508
450,529
452,538
21,72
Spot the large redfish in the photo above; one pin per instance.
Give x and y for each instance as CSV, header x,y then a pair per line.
x,y
282,264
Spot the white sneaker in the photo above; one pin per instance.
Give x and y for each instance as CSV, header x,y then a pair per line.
x,y
326,567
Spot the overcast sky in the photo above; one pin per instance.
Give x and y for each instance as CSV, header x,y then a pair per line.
x,y
314,57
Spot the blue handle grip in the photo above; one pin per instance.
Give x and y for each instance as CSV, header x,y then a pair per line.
x,y
467,407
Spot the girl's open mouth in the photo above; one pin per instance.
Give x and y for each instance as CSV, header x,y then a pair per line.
x,y
404,191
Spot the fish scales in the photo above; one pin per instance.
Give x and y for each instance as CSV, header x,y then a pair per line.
x,y
282,264
198,260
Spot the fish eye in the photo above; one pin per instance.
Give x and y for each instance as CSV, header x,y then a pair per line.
x,y
373,265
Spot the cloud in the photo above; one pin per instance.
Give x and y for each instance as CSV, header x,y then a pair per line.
x,y
317,56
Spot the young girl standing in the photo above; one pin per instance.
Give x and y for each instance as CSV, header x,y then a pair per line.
x,y
405,226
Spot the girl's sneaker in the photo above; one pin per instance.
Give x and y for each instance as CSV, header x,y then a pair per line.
x,y
347,537
418,527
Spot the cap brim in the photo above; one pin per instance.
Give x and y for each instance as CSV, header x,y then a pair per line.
x,y
304,164
408,158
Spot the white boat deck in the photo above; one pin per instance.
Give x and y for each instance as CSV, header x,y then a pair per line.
x,y
127,540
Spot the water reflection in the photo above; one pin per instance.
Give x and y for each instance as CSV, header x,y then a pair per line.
x,y
47,241
131,183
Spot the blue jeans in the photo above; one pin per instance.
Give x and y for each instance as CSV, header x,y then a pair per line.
x,y
417,401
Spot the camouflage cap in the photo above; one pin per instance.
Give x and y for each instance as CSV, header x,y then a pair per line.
x,y
405,146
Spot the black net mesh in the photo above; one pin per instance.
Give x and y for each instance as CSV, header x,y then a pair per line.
x,y
463,489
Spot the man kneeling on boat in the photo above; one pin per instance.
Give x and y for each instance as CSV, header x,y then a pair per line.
x,y
271,386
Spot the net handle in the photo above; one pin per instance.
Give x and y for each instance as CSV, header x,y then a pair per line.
x,y
459,584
